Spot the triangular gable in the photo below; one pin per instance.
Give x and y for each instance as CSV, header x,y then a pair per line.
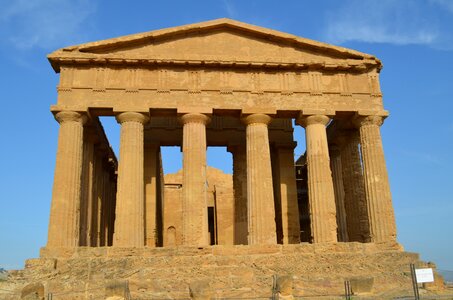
x,y
222,41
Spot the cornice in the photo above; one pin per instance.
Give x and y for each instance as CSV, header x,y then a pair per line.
x,y
361,66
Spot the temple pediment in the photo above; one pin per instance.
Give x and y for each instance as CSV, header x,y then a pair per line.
x,y
217,42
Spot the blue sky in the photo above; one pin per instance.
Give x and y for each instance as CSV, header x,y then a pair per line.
x,y
414,39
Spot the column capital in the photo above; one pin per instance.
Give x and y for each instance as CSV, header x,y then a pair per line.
x,y
256,119
131,116
195,118
70,116
304,121
360,121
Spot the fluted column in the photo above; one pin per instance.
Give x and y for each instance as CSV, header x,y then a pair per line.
x,y
150,194
287,193
65,207
240,193
194,186
104,203
90,139
377,190
337,177
260,197
113,191
129,222
355,202
321,197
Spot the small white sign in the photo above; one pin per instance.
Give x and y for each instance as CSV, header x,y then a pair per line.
x,y
424,275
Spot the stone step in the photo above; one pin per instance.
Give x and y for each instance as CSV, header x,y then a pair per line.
x,y
223,273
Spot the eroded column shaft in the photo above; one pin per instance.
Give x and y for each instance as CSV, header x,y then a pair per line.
x,y
87,190
355,202
320,186
65,207
150,194
337,176
377,189
194,188
260,198
129,222
288,195
240,194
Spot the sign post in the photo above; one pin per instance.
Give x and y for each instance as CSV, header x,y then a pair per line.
x,y
414,282
420,276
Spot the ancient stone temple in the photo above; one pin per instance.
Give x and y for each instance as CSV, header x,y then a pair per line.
x,y
220,83
274,226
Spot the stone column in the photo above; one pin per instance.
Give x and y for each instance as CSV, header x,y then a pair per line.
x,y
240,193
65,207
260,197
97,197
129,222
194,186
150,194
353,182
105,205
377,189
287,193
111,201
113,191
90,139
321,197
337,176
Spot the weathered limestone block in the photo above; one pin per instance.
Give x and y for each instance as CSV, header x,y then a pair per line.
x,y
361,285
116,290
200,290
33,291
260,198
377,189
64,211
284,287
195,218
129,222
320,186
337,177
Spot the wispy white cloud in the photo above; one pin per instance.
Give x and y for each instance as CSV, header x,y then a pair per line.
x,y
44,24
401,22
230,9
446,4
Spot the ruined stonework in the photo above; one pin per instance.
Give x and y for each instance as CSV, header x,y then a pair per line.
x,y
120,228
220,208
